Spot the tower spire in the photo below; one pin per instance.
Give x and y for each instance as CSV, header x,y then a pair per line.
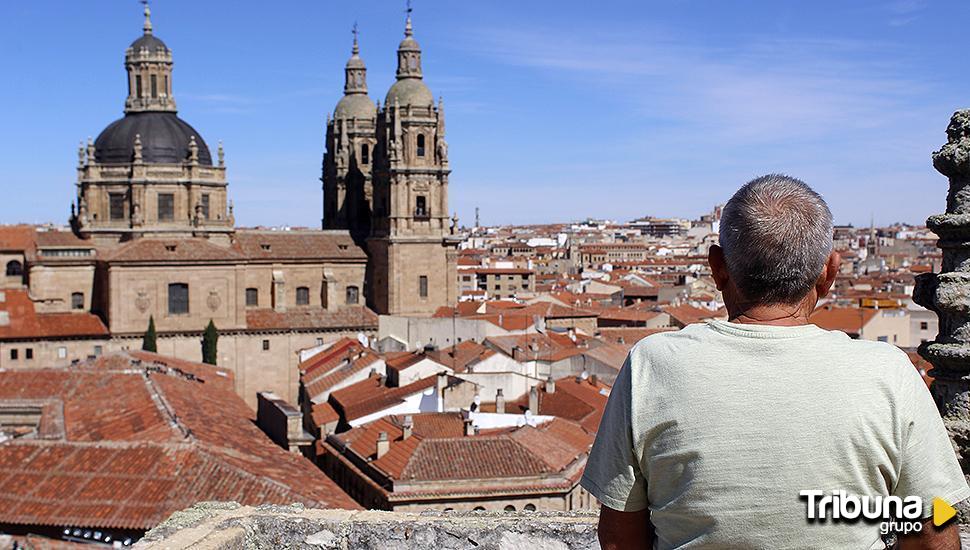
x,y
356,48
409,52
407,24
355,72
148,18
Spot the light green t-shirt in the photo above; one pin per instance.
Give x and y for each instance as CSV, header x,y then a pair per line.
x,y
718,427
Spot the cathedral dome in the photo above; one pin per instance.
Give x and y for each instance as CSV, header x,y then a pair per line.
x,y
410,91
149,42
164,137
355,106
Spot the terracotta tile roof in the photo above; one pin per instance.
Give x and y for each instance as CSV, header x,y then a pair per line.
x,y
348,317
297,245
627,336
17,238
183,250
629,315
141,442
27,324
687,314
438,450
460,356
542,347
372,395
59,238
846,319
337,363
579,400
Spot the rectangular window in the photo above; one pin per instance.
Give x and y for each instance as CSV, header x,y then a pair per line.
x,y
421,207
883,338
252,297
205,206
29,353
353,295
13,355
138,85
77,300
423,286
116,210
302,296
154,81
178,299
923,325
98,350
62,352
166,207
165,87
265,345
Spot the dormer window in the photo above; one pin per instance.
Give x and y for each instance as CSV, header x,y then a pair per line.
x,y
420,145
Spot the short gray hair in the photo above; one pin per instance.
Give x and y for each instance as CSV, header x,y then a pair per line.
x,y
776,233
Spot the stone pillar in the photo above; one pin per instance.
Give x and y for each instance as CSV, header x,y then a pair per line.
x,y
948,293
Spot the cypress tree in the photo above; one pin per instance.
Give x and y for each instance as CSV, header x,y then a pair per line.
x,y
150,341
210,339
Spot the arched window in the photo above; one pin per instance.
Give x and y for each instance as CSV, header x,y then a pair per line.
x,y
510,508
77,300
529,507
252,297
302,296
154,82
365,154
15,268
420,145
479,509
353,295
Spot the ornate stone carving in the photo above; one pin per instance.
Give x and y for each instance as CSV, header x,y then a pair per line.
x,y
213,301
142,301
948,293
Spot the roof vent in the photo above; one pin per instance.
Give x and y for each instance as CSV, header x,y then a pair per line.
x,y
265,247
170,247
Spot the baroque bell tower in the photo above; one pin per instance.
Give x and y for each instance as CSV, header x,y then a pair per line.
x,y
413,243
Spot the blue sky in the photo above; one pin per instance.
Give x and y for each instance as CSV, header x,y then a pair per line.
x,y
556,110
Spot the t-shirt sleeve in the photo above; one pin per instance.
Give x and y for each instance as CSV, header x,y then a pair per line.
x,y
613,472
928,465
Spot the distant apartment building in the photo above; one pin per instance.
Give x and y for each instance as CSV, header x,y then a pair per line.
x,y
505,283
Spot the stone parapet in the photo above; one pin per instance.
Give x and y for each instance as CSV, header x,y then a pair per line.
x,y
211,525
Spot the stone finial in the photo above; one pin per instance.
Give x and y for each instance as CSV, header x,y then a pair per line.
x,y
91,151
222,155
80,153
193,150
147,27
953,161
232,216
137,147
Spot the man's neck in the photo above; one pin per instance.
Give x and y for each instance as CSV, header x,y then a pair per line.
x,y
786,315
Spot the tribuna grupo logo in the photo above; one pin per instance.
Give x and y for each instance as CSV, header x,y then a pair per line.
x,y
896,514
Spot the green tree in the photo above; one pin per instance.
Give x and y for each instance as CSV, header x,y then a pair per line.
x,y
210,339
150,341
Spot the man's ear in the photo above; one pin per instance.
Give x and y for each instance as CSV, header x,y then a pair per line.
x,y
715,257
829,273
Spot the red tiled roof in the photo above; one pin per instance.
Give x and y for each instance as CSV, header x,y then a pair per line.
x,y
141,441
297,245
458,357
354,317
185,250
17,238
27,324
372,395
848,320
687,314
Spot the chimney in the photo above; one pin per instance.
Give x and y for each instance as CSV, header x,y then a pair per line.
x,y
383,445
499,402
550,385
534,400
593,379
469,427
408,427
441,383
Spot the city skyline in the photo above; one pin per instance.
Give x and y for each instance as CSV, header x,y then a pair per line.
x,y
673,107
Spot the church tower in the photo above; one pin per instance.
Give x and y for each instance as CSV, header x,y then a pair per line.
x,y
150,173
413,243
349,156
